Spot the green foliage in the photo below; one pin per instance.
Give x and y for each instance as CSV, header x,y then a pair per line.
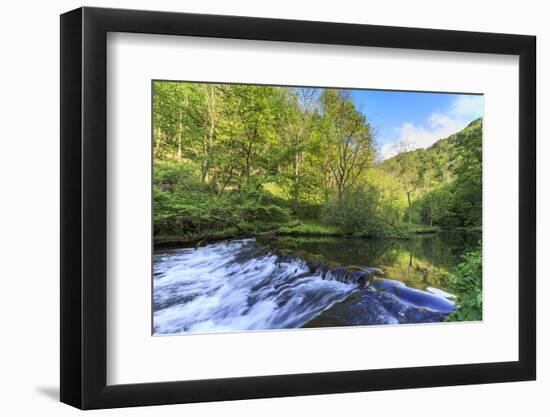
x,y
461,199
348,146
466,281
234,159
310,228
185,206
443,181
357,211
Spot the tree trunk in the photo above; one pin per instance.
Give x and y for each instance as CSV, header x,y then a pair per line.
x,y
205,164
157,142
180,128
210,96
410,265
248,155
409,200
296,185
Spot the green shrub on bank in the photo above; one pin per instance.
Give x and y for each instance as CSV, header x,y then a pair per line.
x,y
309,228
360,211
466,281
185,206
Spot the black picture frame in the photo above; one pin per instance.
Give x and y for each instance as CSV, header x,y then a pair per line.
x,y
84,207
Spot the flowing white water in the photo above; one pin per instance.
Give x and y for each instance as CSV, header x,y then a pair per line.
x,y
236,285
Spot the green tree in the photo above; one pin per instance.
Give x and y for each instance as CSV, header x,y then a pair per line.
x,y
348,140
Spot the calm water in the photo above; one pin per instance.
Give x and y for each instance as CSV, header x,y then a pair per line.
x,y
420,262
287,282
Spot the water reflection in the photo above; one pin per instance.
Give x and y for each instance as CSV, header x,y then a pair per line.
x,y
421,262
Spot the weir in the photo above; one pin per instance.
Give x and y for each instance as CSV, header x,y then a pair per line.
x,y
242,285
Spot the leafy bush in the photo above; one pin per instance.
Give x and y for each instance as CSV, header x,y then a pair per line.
x,y
357,211
172,177
183,205
467,283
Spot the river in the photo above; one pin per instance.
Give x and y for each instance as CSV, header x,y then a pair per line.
x,y
289,282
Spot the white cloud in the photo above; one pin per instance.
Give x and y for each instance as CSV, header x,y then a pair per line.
x,y
463,110
469,107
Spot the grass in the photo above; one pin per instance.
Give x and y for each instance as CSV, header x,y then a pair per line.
x,y
308,228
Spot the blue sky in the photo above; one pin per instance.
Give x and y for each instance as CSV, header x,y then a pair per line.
x,y
415,120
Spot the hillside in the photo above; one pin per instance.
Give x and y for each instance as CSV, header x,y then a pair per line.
x,y
442,183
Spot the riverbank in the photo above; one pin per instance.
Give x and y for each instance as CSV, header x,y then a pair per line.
x,y
297,228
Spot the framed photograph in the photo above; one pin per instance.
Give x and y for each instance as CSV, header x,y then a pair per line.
x,y
257,208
